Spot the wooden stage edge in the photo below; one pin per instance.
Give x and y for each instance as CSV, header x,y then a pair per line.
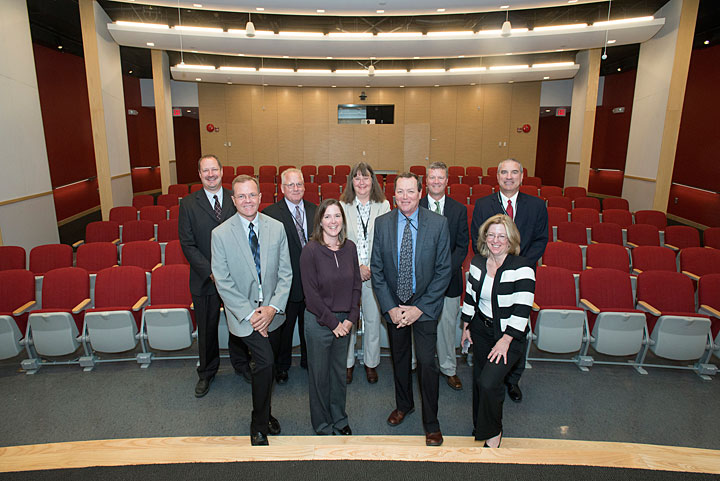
x,y
123,452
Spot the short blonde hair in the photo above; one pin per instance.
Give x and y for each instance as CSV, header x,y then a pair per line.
x,y
513,235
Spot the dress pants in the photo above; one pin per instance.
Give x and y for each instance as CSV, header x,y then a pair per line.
x,y
513,376
425,335
447,334
488,380
262,379
207,317
326,375
371,329
282,337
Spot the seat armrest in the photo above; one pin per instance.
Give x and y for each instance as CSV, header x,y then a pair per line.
x,y
116,241
631,244
692,276
192,306
152,239
159,264
589,306
140,303
81,306
636,271
672,247
710,311
24,308
78,243
644,306
535,307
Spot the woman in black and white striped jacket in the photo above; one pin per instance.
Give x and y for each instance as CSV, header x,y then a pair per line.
x,y
498,299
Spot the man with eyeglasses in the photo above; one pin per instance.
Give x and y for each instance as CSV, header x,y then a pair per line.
x,y
297,217
531,218
251,267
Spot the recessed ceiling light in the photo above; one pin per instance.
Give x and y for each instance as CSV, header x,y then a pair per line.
x,y
372,58
379,11
546,78
285,56
329,58
130,71
461,56
241,55
619,69
473,83
611,42
265,85
706,42
229,83
440,10
260,9
547,110
509,53
367,86
198,79
333,86
402,86
504,6
320,10
572,1
196,5
436,85
300,86
511,81
416,58
150,44
188,111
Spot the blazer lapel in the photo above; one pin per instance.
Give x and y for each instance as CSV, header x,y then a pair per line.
x,y
202,200
420,239
228,208
393,238
264,239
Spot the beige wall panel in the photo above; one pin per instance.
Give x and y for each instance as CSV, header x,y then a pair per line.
x,y
340,145
290,105
416,145
236,104
240,145
468,144
442,143
315,105
290,144
316,143
524,110
496,121
211,99
391,153
339,96
264,146
470,104
365,143
443,119
264,106
417,105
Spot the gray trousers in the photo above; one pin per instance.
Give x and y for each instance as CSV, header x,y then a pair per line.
x,y
446,336
326,375
371,333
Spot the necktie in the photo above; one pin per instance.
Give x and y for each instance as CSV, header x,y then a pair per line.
x,y
510,210
404,290
437,207
255,248
299,225
217,208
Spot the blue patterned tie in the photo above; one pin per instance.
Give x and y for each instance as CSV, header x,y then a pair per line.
x,y
255,248
404,290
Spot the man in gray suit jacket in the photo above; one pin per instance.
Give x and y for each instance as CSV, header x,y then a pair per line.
x,y
251,266
410,268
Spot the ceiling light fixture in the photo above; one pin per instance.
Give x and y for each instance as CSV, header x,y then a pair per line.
x,y
427,70
371,70
573,26
546,78
611,42
379,11
196,5
467,69
350,34
142,25
506,29
623,21
196,67
461,33
706,42
250,27
320,10
440,10
150,44
197,29
198,79
260,9
509,67
238,69
399,34
300,34
554,64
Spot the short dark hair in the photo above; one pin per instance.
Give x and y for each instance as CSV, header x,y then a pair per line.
x,y
376,193
209,156
410,175
317,233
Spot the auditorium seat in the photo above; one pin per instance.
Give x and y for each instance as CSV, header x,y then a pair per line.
x,y
153,213
228,185
607,233
55,330
560,201
180,190
643,235
174,212
167,230
12,257
588,217
267,174
696,262
471,180
458,170
267,192
711,237
312,192
330,190
195,187
135,230
492,172
263,205
470,209
677,332
566,255
575,192
555,216
616,327
17,297
47,257
615,203
168,200
143,200
308,172
480,190
572,232
709,304
342,171
282,169
123,213
100,231
653,258
418,170
558,326
96,256
143,254
325,170
474,171
381,180
547,191
679,237
244,170
652,217
529,190
228,172
621,217
488,180
610,256
453,179
536,181
587,202
320,179
167,322
460,192
174,254
112,326
390,178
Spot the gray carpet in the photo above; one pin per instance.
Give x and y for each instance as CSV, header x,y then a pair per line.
x,y
119,400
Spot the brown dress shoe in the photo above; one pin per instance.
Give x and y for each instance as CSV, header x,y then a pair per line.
x,y
454,382
371,373
397,417
348,376
433,439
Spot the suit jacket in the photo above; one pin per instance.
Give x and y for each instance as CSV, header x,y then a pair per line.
x,y
236,276
531,220
351,216
196,220
279,211
456,214
432,263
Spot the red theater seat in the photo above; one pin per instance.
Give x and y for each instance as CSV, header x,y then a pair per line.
x,y
12,257
653,258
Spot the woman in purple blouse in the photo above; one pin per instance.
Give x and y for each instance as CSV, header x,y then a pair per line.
x,y
331,282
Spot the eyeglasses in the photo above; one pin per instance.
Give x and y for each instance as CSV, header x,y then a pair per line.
x,y
500,237
294,185
242,197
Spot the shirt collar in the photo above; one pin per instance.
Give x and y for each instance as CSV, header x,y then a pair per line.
x,y
210,195
292,206
246,223
505,199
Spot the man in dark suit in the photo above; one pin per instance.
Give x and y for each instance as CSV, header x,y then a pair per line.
x,y
456,214
410,267
531,218
200,212
297,216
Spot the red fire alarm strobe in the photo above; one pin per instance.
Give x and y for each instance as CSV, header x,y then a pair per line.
x,y
210,128
526,128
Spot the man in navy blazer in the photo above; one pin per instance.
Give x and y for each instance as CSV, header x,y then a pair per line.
x,y
531,218
410,267
456,214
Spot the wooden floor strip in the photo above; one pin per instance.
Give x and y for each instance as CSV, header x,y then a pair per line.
x,y
122,452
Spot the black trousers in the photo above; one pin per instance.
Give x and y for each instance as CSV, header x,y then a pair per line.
x,y
518,369
425,334
281,338
207,317
488,380
262,379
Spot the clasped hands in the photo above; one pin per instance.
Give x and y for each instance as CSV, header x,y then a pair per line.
x,y
343,328
403,316
261,319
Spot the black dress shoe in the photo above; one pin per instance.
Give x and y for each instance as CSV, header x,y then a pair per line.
x,y
273,426
514,393
281,377
346,431
259,439
203,386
